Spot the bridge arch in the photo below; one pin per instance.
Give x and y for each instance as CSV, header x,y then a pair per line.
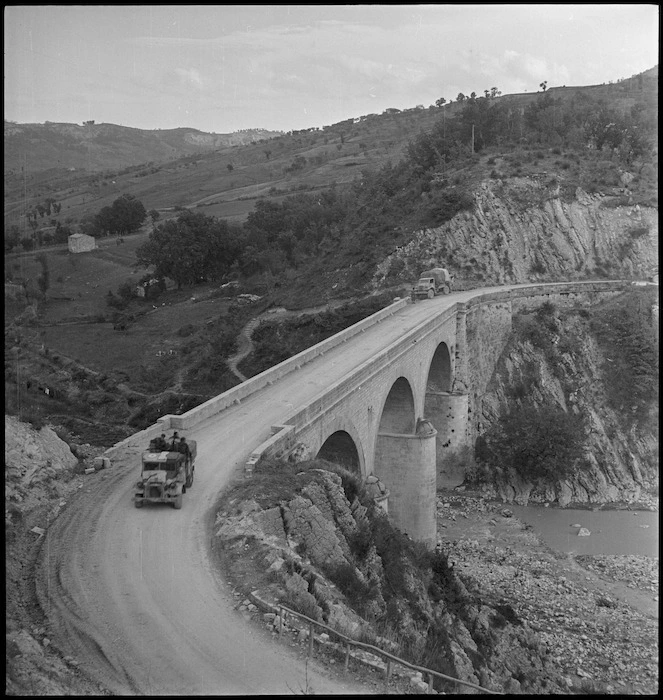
x,y
341,449
448,413
440,375
398,412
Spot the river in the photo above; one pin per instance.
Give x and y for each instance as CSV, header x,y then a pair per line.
x,y
612,531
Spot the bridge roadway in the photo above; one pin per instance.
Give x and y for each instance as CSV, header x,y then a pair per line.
x,y
134,594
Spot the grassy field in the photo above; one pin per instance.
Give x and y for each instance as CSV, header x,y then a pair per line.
x,y
76,321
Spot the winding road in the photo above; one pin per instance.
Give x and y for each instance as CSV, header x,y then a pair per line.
x,y
134,595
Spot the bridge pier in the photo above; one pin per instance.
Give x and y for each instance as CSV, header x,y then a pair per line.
x,y
448,412
406,465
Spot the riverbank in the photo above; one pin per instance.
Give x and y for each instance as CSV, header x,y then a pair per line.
x,y
597,616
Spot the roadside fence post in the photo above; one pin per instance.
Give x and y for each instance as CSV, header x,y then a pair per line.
x,y
347,657
386,677
280,622
310,639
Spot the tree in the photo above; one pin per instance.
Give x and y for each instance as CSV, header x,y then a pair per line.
x,y
62,233
460,97
539,442
44,278
12,238
125,215
441,102
190,248
543,85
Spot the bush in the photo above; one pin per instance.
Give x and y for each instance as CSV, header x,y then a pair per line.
x,y
625,333
347,580
116,302
186,330
638,231
539,442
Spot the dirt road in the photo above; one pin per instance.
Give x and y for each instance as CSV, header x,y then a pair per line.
x,y
132,593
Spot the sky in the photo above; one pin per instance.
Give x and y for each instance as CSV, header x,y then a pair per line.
x,y
223,68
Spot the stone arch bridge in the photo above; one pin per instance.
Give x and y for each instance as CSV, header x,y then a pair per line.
x,y
395,414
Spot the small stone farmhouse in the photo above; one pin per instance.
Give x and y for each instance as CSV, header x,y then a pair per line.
x,y
81,243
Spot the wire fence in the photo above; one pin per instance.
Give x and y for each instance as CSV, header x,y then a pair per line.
x,y
390,659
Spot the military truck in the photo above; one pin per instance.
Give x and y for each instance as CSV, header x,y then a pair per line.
x,y
433,282
165,476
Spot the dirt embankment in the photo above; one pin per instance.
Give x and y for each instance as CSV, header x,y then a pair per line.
x,y
41,476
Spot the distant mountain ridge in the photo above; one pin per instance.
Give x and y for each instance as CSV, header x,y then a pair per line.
x,y
97,147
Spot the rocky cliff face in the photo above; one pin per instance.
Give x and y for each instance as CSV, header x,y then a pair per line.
x,y
522,229
339,561
528,229
563,364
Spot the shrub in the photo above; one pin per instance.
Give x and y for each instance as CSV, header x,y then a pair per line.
x,y
625,334
638,231
528,329
115,302
346,578
539,442
538,268
186,330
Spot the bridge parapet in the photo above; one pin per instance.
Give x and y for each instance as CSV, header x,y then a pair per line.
x,y
563,289
273,374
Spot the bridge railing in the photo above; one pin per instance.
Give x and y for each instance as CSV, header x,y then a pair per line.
x,y
236,394
273,374
390,659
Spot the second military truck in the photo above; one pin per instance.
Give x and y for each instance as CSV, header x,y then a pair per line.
x,y
433,282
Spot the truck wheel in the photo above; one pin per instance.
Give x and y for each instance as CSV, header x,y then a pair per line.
x,y
431,293
138,503
446,289
177,503
183,488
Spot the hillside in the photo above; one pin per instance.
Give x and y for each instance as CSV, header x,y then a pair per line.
x,y
91,147
225,174
549,206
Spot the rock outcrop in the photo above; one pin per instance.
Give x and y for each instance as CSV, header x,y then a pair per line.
x,y
565,368
343,564
522,229
33,459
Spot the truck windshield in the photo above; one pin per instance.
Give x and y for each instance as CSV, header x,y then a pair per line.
x,y
156,466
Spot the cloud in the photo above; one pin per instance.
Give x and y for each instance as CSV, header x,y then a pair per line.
x,y
531,70
190,77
